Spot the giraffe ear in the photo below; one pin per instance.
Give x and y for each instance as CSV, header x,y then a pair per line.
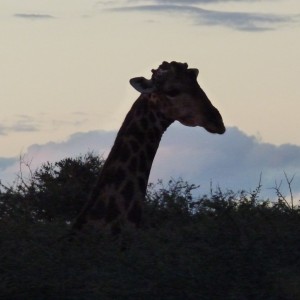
x,y
142,85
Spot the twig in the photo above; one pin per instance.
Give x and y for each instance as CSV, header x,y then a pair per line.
x,y
289,182
279,194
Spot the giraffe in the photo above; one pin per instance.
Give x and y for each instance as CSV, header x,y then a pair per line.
x,y
171,94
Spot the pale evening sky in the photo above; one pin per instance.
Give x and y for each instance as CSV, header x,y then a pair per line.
x,y
65,67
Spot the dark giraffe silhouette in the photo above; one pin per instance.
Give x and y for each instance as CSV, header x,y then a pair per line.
x,y
171,94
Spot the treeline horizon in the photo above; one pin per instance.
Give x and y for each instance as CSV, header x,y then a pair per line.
x,y
225,245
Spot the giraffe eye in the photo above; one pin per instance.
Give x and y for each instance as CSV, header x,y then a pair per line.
x,y
172,92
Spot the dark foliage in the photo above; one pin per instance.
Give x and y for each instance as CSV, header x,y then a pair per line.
x,y
223,246
54,192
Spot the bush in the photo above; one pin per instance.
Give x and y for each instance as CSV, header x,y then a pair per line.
x,y
226,245
54,192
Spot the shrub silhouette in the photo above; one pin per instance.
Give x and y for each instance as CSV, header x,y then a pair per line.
x,y
54,192
226,245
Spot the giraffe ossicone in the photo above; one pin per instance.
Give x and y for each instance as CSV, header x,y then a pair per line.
x,y
172,94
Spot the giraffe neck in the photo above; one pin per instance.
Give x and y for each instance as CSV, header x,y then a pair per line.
x,y
137,140
122,184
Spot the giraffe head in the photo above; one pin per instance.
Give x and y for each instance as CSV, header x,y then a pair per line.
x,y
174,88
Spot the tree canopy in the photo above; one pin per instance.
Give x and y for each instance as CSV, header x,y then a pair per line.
x,y
225,245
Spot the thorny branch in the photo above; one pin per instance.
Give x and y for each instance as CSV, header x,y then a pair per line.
x,y
280,196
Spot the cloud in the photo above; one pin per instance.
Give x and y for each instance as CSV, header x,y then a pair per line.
x,y
235,20
25,125
22,123
9,167
33,16
2,130
98,142
7,162
197,1
232,161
